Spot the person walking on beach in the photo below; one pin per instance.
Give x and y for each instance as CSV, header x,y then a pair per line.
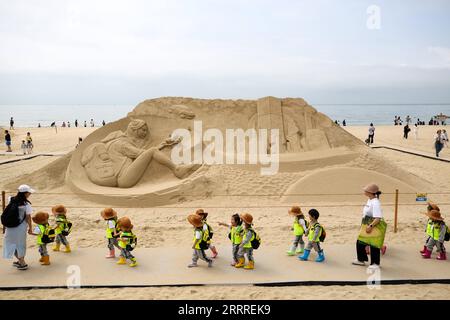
x,y
438,142
8,141
300,227
200,242
316,234
406,130
15,239
103,123
344,123
11,124
76,123
416,131
445,135
371,133
85,124
235,235
29,143
436,231
373,229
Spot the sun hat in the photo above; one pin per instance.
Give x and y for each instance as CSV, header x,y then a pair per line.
x,y
295,210
202,213
195,220
434,215
125,223
40,217
108,213
25,188
247,218
371,188
59,209
432,206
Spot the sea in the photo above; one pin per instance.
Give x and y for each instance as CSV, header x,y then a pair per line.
x,y
353,114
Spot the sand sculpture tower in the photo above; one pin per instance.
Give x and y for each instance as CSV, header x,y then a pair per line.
x,y
270,116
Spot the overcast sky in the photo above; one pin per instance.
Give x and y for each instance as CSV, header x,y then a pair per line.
x,y
122,52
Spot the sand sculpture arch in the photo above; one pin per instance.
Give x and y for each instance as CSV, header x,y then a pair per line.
x,y
121,158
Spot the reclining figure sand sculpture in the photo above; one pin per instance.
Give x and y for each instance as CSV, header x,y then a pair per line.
x,y
121,159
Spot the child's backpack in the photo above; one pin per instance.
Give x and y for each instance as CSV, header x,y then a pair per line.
x,y
10,216
323,234
49,235
447,234
210,232
256,242
132,243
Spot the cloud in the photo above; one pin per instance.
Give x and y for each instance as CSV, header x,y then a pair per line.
x,y
442,53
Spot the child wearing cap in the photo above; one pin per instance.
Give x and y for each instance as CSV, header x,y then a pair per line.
x,y
200,241
112,230
315,231
63,228
436,230
207,228
45,234
300,227
127,241
245,248
235,235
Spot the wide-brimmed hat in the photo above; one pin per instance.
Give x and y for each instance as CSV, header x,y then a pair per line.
x,y
195,220
40,217
108,213
434,215
125,223
295,211
25,188
202,213
371,188
433,206
247,218
59,209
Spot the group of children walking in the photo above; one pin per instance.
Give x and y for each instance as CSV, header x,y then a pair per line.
x,y
244,239
27,144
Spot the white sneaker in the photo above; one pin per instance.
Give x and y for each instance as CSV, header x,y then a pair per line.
x,y
192,265
373,267
356,262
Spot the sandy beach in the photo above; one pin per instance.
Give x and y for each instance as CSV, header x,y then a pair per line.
x,y
166,225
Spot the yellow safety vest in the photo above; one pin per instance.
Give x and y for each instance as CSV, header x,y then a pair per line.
x,y
249,244
433,229
236,235
298,229
45,231
130,238
61,221
110,231
203,243
311,233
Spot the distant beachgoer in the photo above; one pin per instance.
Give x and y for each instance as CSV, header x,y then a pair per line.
x,y
416,131
372,220
85,124
11,124
76,123
80,140
24,147
408,119
68,124
406,130
63,124
438,142
344,123
371,133
103,123
39,125
92,123
8,141
29,143
15,239
445,135
53,124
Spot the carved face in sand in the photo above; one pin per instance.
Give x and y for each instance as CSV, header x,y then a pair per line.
x,y
137,129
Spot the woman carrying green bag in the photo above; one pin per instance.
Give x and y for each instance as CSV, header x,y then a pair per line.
x,y
373,229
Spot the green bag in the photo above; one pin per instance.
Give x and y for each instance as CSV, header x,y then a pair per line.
x,y
376,237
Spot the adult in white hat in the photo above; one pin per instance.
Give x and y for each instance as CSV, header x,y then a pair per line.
x,y
15,240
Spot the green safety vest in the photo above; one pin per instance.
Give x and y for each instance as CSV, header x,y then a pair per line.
x,y
109,231
130,239
45,231
236,235
62,223
433,229
203,243
249,244
298,229
311,233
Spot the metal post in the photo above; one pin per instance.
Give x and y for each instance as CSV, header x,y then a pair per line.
x,y
3,205
396,211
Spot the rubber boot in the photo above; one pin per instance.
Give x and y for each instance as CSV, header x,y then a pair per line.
x,y
291,251
423,250
214,251
41,259
56,247
320,257
442,256
426,254
133,263
250,265
122,260
67,250
45,260
112,254
305,255
301,249
240,263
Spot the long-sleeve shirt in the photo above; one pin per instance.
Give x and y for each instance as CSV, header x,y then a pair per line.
x,y
247,237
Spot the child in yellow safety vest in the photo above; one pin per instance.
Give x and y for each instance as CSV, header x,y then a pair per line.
x,y
45,234
245,248
112,230
315,231
436,230
207,228
127,242
200,241
63,228
300,227
235,235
